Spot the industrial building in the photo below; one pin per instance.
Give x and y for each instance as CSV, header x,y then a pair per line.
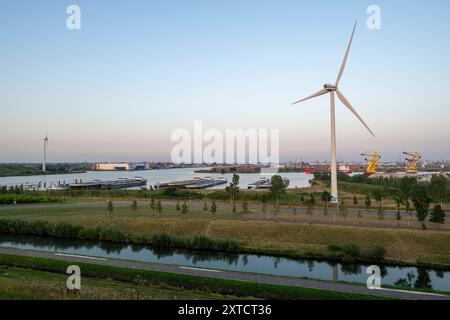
x,y
113,166
235,169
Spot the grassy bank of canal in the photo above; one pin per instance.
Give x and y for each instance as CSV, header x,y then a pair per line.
x,y
290,239
37,278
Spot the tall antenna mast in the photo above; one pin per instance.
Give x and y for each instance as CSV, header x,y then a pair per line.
x,y
44,162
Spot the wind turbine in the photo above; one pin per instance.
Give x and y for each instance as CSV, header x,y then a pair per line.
x,y
332,89
44,162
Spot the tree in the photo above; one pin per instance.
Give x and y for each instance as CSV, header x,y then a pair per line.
x,y
380,212
421,202
343,208
277,187
438,187
184,208
309,211
325,196
213,208
398,202
302,198
159,207
312,199
378,195
437,215
407,185
233,189
407,208
355,200
368,202
152,204
134,205
109,207
264,204
177,207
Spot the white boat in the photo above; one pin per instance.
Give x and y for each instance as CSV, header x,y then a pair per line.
x,y
265,183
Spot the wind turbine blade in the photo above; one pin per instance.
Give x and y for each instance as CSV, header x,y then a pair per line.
x,y
349,106
341,71
318,93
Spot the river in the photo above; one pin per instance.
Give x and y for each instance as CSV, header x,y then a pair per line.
x,y
297,179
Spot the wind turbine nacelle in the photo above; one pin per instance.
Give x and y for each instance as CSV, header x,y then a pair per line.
x,y
330,87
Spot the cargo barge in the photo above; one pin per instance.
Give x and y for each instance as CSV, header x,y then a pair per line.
x,y
121,183
195,183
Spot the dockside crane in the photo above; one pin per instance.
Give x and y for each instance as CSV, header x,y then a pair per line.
x,y
372,162
411,166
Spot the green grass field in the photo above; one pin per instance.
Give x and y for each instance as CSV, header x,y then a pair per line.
x,y
22,283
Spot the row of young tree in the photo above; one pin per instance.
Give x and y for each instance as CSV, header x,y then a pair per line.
x,y
232,190
419,197
437,188
157,206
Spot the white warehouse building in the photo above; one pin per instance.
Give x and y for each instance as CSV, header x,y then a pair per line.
x,y
113,166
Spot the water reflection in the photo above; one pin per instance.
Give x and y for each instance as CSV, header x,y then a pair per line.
x,y
422,280
352,272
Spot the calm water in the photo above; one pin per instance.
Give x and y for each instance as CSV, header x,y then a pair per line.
x,y
152,176
410,276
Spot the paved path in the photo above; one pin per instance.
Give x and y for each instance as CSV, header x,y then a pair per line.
x,y
240,276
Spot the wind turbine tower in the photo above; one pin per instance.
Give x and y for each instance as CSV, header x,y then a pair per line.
x,y
44,162
333,89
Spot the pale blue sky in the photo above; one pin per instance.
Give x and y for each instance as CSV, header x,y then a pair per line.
x,y
137,70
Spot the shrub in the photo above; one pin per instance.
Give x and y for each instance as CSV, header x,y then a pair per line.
x,y
113,234
88,234
172,192
25,199
348,252
351,250
162,240
334,247
213,208
184,208
377,252
62,230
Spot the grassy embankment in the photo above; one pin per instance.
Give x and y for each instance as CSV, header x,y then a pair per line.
x,y
7,199
36,278
10,170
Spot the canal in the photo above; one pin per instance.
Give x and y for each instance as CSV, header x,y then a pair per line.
x,y
351,272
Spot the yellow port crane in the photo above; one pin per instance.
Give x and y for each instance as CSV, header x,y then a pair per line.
x,y
373,161
412,162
